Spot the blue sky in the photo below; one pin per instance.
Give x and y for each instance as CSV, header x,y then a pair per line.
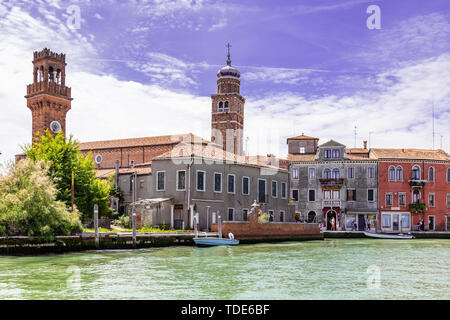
x,y
142,68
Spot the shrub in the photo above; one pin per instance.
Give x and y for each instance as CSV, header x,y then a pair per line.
x,y
28,204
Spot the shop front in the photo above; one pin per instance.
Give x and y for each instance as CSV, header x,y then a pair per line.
x,y
395,222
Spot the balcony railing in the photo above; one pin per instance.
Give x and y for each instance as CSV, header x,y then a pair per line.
x,y
331,203
416,182
332,181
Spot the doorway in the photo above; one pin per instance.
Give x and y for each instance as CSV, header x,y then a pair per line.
x,y
361,222
330,216
431,223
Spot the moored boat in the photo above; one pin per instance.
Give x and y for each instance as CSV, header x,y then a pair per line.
x,y
387,235
215,242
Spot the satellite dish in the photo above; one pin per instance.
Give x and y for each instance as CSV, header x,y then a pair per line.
x,y
98,159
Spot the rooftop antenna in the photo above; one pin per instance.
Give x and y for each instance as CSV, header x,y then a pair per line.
x,y
432,114
355,134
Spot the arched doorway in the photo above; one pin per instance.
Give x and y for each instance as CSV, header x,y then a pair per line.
x,y
311,217
330,215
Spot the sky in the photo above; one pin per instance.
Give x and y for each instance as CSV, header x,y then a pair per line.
x,y
144,68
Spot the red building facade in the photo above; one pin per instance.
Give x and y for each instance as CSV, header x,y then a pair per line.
x,y
413,190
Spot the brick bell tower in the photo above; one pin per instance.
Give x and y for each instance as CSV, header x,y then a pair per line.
x,y
227,117
48,98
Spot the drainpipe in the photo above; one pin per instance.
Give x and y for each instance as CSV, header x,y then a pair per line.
x,y
189,187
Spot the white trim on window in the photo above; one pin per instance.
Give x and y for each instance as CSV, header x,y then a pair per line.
x,y
434,222
282,214
434,174
311,169
178,180
401,173
248,184
276,189
245,209
314,195
354,192
412,172
292,195
234,183
266,195
204,180
228,214
157,180
389,173
404,194
434,199
214,182
385,199
296,175
285,190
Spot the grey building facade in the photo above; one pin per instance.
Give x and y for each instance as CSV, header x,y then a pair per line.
x,y
214,188
330,183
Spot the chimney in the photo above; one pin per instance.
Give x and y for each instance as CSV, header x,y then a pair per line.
x,y
365,144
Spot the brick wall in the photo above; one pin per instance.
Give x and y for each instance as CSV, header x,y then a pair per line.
x,y
252,229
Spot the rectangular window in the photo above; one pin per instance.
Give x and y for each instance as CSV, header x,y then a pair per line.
x,y
281,216
181,180
244,214
350,222
448,200
370,195
401,199
245,185
388,197
336,154
217,182
294,173
351,195
386,221
161,181
431,199
405,221
327,154
312,195
302,149
312,173
295,194
262,191
200,180
283,190
274,189
230,214
231,183
270,215
350,173
370,173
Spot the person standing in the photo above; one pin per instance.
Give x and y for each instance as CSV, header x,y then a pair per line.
x,y
333,224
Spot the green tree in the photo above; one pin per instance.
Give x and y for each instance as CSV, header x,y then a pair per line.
x,y
28,204
65,156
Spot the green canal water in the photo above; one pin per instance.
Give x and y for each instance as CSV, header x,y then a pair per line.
x,y
329,269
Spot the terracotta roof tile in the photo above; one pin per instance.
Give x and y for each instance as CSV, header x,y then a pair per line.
x,y
416,154
302,137
301,157
139,142
213,152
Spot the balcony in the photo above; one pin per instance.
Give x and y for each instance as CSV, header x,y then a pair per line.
x,y
417,207
332,181
331,203
416,182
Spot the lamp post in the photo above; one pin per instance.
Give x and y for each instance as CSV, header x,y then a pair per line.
x,y
96,225
133,210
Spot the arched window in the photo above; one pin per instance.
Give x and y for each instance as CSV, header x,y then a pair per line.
x,y
335,174
415,173
226,109
399,173
220,106
311,217
327,173
391,173
431,174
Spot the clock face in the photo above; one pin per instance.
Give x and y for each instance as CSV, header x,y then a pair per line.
x,y
55,126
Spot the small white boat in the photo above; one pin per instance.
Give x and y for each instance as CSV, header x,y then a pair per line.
x,y
387,235
207,242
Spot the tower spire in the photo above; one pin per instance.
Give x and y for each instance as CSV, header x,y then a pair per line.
x,y
228,55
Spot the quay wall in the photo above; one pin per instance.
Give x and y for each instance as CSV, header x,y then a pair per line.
x,y
252,231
